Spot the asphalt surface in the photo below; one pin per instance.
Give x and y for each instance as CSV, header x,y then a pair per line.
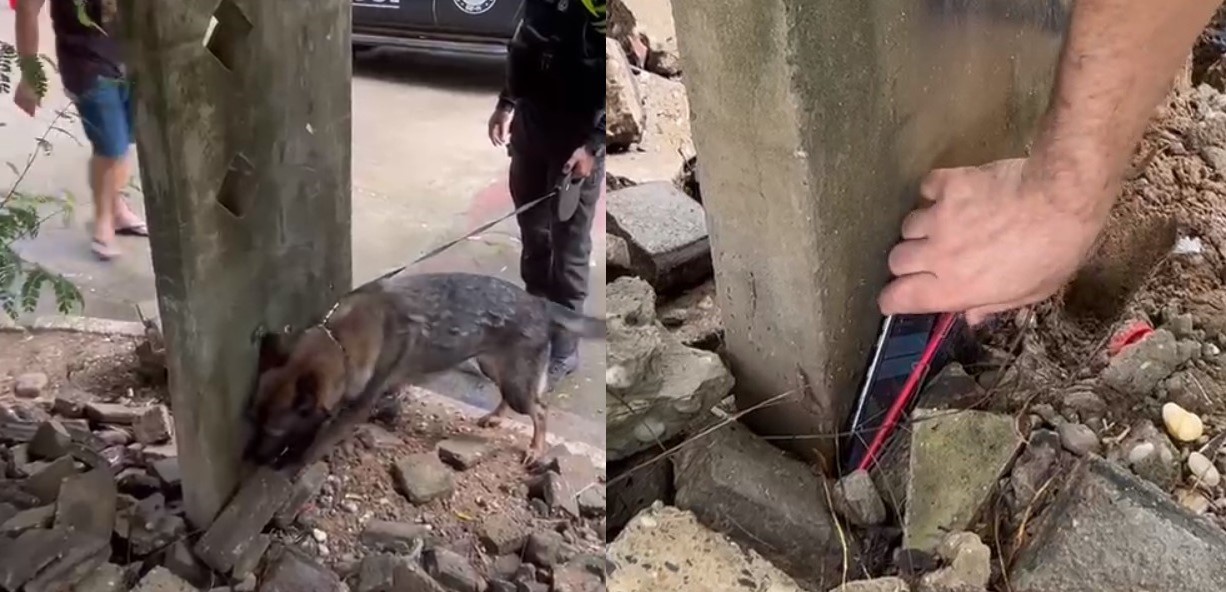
x,y
423,172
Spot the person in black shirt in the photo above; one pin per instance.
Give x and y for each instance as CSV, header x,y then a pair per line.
x,y
93,74
552,115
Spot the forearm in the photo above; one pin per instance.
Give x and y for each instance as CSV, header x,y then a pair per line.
x,y
26,32
1118,62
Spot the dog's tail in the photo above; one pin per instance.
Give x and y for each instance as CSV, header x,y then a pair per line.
x,y
576,323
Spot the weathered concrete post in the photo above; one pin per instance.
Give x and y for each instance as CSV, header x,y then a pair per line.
x,y
813,126
244,140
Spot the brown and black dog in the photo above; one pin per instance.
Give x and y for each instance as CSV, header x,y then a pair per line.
x,y
394,331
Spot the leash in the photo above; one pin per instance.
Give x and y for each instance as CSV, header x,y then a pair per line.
x,y
443,247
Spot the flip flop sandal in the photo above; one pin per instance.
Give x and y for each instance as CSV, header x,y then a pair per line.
x,y
103,251
133,230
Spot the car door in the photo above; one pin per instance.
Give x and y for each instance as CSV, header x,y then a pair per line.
x,y
375,15
482,18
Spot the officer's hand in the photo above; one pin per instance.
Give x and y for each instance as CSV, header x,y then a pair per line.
x,y
580,164
500,126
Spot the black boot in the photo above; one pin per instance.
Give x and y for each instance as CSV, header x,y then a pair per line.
x,y
563,357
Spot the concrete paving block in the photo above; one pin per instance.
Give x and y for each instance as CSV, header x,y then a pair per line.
x,y
957,456
1111,530
78,557
664,548
666,232
243,519
87,503
291,570
738,483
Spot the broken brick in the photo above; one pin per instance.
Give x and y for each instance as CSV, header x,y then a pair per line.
x,y
87,503
306,487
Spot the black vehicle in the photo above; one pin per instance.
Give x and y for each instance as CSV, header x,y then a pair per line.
x,y
450,26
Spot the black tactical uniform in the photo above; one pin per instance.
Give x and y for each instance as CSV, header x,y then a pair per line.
x,y
555,83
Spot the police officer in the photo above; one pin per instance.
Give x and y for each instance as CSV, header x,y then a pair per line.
x,y
552,114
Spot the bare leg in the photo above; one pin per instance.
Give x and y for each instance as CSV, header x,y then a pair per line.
x,y
123,215
103,182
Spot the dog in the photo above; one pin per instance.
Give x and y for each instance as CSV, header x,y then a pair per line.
x,y
393,332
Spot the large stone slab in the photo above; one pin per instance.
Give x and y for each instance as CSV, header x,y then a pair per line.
x,y
244,517
957,456
666,232
1111,530
665,548
739,484
806,173
655,387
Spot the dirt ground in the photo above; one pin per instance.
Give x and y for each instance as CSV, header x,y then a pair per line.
x,y
360,486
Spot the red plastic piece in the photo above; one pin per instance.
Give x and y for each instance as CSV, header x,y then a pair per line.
x,y
1132,333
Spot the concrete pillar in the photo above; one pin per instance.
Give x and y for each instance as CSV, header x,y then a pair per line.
x,y
813,124
244,139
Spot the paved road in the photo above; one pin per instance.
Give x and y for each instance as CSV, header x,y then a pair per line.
x,y
423,171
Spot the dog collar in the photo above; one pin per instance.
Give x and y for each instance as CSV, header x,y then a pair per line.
x,y
332,336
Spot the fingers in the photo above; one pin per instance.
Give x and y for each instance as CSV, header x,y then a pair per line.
x,y
932,186
911,294
907,257
917,224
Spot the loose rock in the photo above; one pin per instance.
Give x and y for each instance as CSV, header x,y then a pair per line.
x,y
547,549
453,571
500,535
704,559
877,585
624,104
394,537
1203,471
1079,439
291,570
50,442
732,477
243,518
30,385
1141,367
153,426
856,499
423,478
112,413
87,503
464,452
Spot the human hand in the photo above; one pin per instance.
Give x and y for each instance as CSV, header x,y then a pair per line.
x,y
26,98
500,126
580,164
994,238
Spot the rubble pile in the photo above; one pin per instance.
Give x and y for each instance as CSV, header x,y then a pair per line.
x,y
91,501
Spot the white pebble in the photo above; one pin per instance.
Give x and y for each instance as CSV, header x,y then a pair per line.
x,y
1182,424
1140,452
1203,470
1211,350
350,506
320,536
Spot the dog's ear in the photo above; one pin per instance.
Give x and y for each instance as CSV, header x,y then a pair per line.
x,y
274,351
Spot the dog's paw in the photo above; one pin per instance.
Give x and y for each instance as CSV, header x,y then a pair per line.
x,y
489,421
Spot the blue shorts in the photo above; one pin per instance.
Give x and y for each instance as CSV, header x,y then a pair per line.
x,y
106,114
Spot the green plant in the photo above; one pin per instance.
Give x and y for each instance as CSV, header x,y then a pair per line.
x,y
22,214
